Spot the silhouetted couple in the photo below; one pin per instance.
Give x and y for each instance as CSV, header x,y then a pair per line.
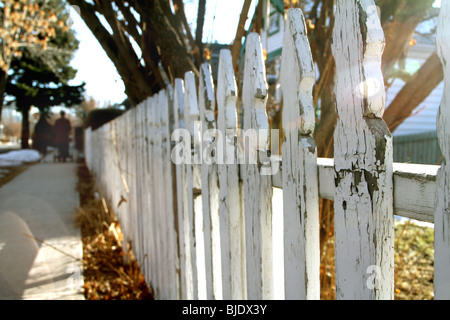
x,y
45,134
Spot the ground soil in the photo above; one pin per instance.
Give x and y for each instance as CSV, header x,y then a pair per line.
x,y
110,273
414,261
9,173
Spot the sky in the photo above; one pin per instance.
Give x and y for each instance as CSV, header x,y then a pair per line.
x,y
104,84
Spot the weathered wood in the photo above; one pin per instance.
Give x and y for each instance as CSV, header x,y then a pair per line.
x,y
231,218
156,196
148,189
414,188
132,171
178,111
442,214
257,187
139,184
162,210
364,220
170,190
210,184
300,182
165,194
190,117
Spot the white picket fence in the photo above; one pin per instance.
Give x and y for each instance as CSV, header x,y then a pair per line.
x,y
214,225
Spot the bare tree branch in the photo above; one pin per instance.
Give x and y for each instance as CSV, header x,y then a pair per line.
x,y
414,92
240,32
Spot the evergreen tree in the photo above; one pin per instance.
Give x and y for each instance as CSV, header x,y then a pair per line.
x,y
40,78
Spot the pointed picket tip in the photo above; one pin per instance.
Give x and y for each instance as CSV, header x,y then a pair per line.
x,y
191,112
443,50
190,93
297,75
226,92
254,71
357,25
150,110
157,110
162,106
178,104
206,101
443,33
254,91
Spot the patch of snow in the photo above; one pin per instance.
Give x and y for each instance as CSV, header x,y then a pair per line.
x,y
19,157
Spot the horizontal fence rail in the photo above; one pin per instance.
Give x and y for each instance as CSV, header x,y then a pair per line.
x,y
199,198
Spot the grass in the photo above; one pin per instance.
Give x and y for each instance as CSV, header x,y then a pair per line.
x,y
413,263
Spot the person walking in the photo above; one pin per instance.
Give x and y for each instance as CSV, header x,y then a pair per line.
x,y
62,131
43,135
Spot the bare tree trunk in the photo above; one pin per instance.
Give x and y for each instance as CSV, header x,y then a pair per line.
x,y
240,32
180,13
25,134
399,20
128,66
327,123
169,37
200,22
3,80
414,92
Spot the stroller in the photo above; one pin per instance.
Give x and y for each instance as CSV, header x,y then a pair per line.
x,y
62,152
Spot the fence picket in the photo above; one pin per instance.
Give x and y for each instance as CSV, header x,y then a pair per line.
x,y
231,218
156,250
139,182
442,213
190,117
160,211
257,187
209,184
300,184
147,190
169,191
364,221
178,112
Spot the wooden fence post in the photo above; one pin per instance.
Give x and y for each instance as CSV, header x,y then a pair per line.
x,y
257,187
231,218
442,213
300,184
364,220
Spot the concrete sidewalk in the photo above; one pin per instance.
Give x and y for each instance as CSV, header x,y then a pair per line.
x,y
40,247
